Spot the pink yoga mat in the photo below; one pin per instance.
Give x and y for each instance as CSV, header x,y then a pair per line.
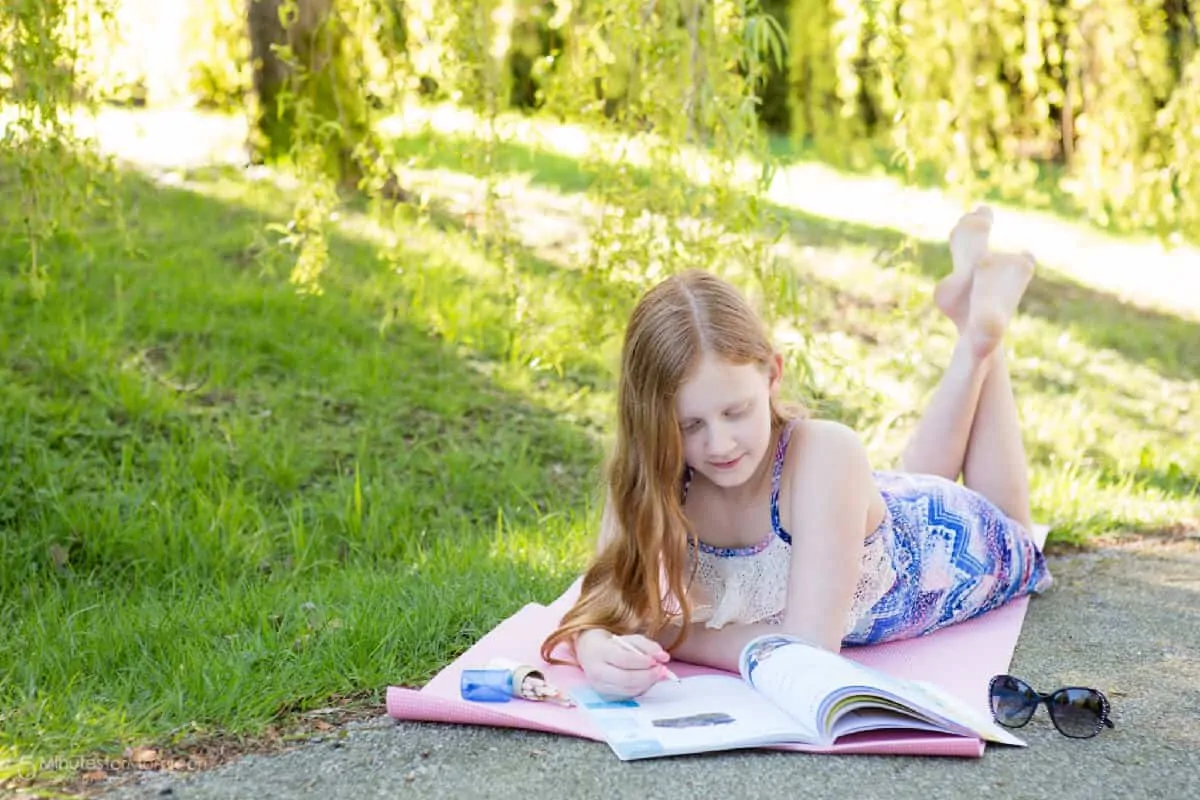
x,y
959,659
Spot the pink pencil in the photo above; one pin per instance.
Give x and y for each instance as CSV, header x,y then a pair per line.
x,y
628,645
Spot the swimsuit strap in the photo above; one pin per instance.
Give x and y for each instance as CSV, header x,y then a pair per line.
x,y
777,479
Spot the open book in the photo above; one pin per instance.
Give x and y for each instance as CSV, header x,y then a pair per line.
x,y
789,692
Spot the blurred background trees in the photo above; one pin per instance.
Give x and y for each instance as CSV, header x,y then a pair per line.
x,y
1101,92
1097,101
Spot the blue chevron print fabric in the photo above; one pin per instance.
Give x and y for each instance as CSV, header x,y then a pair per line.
x,y
953,554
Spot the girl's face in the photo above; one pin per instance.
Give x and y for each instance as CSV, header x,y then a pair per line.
x,y
724,413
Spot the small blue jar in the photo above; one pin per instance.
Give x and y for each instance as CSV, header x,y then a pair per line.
x,y
487,685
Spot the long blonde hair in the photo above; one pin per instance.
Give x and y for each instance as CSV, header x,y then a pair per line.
x,y
672,327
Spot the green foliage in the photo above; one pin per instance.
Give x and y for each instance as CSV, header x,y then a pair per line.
x,y
982,95
40,41
1091,98
1178,123
308,80
641,64
318,67
824,76
217,54
674,89
312,113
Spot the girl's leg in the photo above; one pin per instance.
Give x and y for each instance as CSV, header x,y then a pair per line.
x,y
995,464
971,425
938,446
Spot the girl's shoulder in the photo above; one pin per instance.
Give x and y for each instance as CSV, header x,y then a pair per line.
x,y
827,460
812,433
817,444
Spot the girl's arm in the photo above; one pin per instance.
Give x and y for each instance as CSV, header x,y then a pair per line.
x,y
831,499
614,670
715,647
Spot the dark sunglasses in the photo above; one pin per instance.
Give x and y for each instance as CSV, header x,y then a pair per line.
x,y
1077,711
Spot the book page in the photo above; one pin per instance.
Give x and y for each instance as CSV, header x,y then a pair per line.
x,y
695,715
914,700
945,705
873,719
796,676
821,688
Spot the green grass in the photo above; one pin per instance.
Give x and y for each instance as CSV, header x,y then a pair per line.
x,y
325,508
226,501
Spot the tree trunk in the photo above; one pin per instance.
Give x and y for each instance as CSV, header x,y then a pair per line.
x,y
270,77
320,79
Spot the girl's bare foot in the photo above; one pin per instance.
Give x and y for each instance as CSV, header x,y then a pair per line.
x,y
968,245
997,286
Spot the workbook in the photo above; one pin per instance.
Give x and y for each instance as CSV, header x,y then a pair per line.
x,y
789,692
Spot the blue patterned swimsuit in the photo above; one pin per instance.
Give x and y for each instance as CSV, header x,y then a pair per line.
x,y
942,554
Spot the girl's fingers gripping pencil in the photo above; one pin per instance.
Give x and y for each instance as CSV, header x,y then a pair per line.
x,y
628,645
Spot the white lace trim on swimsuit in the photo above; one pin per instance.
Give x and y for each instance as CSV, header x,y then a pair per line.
x,y
746,589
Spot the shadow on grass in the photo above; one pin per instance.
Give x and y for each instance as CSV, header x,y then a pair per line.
x,y
1160,340
266,498
190,375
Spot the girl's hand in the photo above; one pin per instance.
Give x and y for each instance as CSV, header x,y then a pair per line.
x,y
619,668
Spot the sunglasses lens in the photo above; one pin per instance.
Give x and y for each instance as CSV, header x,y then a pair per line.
x,y
1013,701
1077,712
